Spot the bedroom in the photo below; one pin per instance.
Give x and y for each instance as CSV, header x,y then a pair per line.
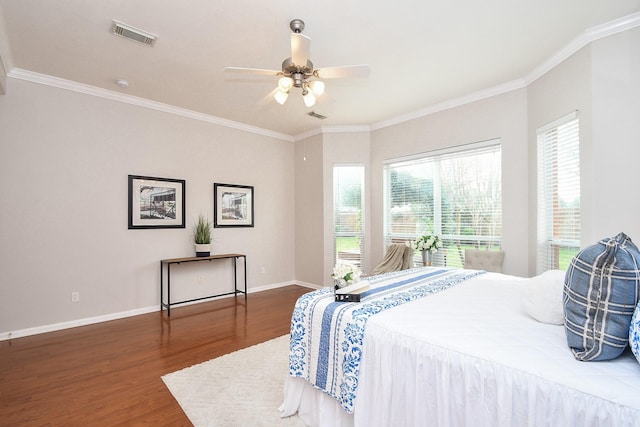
x,y
66,155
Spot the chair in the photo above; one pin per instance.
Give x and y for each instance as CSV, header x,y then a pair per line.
x,y
398,257
483,260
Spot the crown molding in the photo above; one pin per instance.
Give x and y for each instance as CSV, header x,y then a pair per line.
x,y
307,134
452,103
18,73
588,36
345,129
331,129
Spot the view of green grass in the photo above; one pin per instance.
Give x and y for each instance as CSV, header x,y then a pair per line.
x,y
347,244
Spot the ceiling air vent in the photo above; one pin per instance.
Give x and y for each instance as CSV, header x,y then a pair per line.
x,y
132,33
316,115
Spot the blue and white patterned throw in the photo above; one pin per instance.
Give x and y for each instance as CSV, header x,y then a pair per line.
x,y
327,336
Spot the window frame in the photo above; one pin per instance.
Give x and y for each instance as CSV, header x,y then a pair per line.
x,y
551,249
493,242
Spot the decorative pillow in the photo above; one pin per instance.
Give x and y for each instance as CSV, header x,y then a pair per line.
x,y
634,333
542,297
600,295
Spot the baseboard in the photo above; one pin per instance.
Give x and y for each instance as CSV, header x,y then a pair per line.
x,y
75,323
120,315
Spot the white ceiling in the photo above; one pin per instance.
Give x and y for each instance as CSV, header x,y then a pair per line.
x,y
421,53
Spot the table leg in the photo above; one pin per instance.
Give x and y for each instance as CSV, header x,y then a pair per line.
x,y
161,285
168,290
245,277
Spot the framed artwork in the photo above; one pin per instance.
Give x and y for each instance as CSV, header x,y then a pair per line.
x,y
233,205
156,202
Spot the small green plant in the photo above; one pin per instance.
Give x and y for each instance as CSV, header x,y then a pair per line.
x,y
202,232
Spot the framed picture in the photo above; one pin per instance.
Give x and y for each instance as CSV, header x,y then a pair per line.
x,y
156,202
233,205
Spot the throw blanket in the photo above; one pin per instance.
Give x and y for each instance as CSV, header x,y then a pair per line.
x,y
398,257
327,337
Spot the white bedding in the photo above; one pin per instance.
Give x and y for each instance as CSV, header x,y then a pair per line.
x,y
470,356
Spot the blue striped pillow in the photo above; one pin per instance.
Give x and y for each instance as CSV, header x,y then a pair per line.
x,y
601,290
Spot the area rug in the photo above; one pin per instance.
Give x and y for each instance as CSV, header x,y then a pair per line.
x,y
243,388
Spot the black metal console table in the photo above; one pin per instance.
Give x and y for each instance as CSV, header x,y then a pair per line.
x,y
170,262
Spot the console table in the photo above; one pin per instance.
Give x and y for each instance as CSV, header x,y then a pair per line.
x,y
172,261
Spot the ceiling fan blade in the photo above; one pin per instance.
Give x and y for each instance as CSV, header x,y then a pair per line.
x,y
300,45
260,71
349,71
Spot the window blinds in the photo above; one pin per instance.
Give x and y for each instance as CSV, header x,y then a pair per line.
x,y
348,223
455,193
558,193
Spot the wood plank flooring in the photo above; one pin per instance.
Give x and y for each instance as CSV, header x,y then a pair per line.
x,y
108,374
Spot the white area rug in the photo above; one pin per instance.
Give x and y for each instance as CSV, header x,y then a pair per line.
x,y
243,388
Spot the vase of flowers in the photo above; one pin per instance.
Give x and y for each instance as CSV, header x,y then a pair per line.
x,y
344,274
427,245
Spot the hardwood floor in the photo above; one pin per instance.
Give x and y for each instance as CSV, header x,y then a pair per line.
x,y
108,374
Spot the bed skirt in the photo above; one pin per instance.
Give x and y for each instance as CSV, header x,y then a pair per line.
x,y
315,407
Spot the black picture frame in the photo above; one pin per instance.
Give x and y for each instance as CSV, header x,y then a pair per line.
x,y
156,202
233,205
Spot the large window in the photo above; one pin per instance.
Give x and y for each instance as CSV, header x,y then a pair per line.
x,y
348,214
455,193
558,193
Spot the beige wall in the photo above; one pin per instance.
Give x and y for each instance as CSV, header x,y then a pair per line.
x,y
613,165
309,198
64,161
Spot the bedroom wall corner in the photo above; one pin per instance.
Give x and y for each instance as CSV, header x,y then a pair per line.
x,y
309,221
345,148
502,116
565,88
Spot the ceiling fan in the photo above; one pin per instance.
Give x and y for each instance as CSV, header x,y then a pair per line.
x,y
297,71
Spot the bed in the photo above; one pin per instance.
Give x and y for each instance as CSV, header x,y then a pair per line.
x,y
453,348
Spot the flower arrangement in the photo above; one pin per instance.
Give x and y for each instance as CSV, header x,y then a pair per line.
x,y
346,273
427,242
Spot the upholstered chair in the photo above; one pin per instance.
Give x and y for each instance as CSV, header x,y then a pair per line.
x,y
483,260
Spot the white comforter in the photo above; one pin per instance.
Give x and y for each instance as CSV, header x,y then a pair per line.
x,y
469,356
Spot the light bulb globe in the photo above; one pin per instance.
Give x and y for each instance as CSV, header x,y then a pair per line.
x,y
281,97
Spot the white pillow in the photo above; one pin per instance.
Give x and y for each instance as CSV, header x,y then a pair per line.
x,y
542,297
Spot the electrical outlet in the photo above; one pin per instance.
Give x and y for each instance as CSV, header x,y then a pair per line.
x,y
263,270
200,280
75,296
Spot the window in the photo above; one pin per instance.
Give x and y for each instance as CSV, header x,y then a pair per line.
x,y
558,193
454,193
348,214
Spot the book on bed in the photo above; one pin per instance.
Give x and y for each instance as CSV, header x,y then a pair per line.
x,y
351,293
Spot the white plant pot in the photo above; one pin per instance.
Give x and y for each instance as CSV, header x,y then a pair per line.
x,y
203,249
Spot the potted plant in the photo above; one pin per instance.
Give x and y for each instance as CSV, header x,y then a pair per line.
x,y
202,236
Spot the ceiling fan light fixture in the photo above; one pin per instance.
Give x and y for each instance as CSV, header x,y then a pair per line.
x,y
309,99
317,87
285,83
281,96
